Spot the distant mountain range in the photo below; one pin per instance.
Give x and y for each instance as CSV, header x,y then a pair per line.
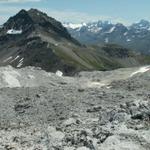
x,y
136,36
31,38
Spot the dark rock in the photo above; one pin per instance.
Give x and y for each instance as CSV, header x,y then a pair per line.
x,y
94,109
81,90
21,108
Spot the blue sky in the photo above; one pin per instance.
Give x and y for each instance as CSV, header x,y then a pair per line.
x,y
125,11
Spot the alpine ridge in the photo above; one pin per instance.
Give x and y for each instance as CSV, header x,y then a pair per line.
x,y
31,38
135,36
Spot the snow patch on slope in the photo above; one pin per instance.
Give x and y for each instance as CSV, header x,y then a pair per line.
x,y
15,58
141,70
20,63
12,31
7,59
111,30
128,40
95,84
10,77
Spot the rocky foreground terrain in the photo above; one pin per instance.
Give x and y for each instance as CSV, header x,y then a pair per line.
x,y
91,111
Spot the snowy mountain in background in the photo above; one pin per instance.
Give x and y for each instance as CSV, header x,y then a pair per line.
x,y
73,25
135,37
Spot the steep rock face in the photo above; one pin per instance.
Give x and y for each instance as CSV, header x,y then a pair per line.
x,y
36,45
34,19
22,20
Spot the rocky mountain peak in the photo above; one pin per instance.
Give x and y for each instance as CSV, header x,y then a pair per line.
x,y
21,20
48,24
121,28
33,10
32,20
107,32
38,16
22,11
143,24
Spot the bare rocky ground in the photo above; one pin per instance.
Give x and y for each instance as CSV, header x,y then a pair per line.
x,y
91,111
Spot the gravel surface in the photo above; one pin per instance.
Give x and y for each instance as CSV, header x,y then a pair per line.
x,y
91,111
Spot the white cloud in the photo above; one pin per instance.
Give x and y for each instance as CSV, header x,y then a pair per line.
x,y
78,17
63,16
75,16
9,10
18,1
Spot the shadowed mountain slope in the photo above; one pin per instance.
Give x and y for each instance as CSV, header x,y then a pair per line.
x,y
31,38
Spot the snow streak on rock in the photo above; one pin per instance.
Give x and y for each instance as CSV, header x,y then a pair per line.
x,y
141,70
12,31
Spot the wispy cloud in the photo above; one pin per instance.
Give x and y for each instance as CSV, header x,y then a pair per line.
x,y
63,16
18,1
76,17
8,10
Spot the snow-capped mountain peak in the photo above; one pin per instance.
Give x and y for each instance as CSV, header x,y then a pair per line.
x,y
143,24
107,32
